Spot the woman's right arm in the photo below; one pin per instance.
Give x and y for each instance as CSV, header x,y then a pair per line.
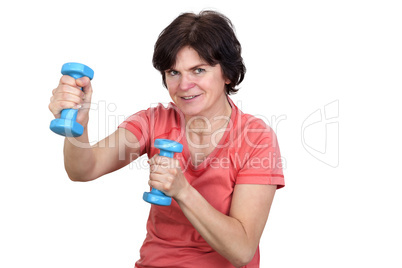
x,y
84,162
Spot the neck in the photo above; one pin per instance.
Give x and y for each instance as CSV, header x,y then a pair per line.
x,y
202,125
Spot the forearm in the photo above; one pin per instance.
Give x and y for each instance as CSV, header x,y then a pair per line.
x,y
79,158
223,233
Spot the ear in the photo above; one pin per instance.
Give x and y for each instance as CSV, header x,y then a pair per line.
x,y
227,81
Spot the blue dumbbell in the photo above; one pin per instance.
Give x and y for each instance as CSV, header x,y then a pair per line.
x,y
66,125
166,148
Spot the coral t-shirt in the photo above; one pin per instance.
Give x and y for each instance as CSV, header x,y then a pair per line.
x,y
248,153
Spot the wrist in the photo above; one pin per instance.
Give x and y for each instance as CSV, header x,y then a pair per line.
x,y
184,193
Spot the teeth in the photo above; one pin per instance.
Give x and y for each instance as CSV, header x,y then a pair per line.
x,y
188,98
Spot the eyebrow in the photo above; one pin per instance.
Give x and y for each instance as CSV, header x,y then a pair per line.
x,y
198,66
192,68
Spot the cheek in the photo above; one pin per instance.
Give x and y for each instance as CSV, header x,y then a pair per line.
x,y
217,83
171,92
171,85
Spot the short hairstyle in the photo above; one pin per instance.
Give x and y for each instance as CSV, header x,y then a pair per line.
x,y
212,35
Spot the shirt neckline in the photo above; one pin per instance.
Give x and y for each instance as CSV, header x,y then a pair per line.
x,y
186,151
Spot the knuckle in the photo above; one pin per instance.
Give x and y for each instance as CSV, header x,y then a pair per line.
x,y
157,159
65,105
66,79
170,179
154,168
174,171
167,187
165,161
62,105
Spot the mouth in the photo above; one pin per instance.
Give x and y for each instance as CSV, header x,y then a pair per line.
x,y
190,97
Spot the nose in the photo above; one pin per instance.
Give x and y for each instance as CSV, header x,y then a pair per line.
x,y
186,82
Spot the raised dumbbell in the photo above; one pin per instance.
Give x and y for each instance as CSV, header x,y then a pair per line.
x,y
166,148
66,125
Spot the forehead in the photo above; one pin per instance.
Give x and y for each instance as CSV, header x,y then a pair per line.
x,y
187,57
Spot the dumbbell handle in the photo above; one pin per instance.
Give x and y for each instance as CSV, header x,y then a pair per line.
x,y
166,153
66,125
155,191
166,148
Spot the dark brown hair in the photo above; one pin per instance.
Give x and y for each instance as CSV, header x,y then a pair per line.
x,y
209,33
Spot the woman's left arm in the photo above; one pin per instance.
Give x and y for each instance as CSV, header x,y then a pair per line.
x,y
235,236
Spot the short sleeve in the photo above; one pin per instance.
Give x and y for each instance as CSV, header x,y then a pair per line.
x,y
262,162
139,125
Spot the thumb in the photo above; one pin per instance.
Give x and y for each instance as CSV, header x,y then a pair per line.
x,y
85,83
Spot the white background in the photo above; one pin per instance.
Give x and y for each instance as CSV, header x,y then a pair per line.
x,y
341,206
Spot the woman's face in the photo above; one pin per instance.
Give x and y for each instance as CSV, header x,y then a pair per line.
x,y
197,88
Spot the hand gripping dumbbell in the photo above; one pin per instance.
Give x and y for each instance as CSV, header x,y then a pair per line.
x,y
66,125
166,148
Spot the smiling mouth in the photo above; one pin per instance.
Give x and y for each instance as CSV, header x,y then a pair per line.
x,y
190,97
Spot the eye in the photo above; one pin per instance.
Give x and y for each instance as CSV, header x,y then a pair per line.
x,y
199,70
172,72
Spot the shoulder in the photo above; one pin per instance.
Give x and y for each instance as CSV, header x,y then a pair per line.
x,y
252,133
169,110
158,111
253,122
256,129
250,124
155,119
165,116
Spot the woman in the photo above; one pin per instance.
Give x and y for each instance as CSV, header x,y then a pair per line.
x,y
223,183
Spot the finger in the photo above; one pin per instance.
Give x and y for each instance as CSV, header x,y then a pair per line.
x,y
162,178
157,185
83,81
85,84
157,169
156,177
160,182
152,160
156,181
68,80
57,107
173,171
55,112
67,97
61,105
163,161
68,89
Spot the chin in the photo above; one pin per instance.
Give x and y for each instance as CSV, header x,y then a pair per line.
x,y
190,111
